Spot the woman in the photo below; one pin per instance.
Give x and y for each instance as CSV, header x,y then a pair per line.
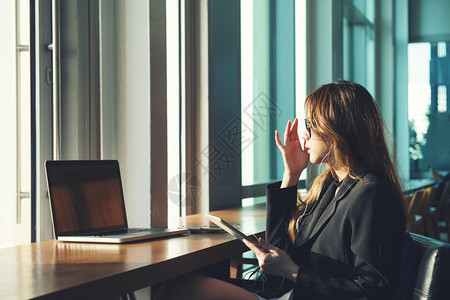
x,y
342,241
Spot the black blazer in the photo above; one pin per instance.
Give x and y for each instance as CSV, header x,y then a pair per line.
x,y
347,248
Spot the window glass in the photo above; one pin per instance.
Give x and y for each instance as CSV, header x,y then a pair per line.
x,y
272,82
366,7
358,43
429,146
346,50
253,201
442,99
176,205
370,62
256,101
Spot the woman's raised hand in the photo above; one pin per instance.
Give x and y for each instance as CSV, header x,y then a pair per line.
x,y
295,157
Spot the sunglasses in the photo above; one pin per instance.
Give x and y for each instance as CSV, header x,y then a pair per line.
x,y
308,126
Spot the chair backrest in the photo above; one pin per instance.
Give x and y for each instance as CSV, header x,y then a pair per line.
x,y
445,191
425,269
427,199
414,204
442,193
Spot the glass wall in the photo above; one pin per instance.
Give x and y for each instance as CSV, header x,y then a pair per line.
x,y
269,72
175,176
358,43
255,91
428,108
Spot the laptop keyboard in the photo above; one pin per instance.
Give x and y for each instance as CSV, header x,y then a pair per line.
x,y
115,232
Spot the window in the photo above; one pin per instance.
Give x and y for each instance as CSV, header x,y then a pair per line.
x,y
358,42
110,101
272,86
15,116
428,112
442,98
233,69
175,176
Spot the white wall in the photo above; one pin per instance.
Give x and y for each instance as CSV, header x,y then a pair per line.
x,y
7,121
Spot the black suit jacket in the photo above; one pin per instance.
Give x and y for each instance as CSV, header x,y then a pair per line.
x,y
347,248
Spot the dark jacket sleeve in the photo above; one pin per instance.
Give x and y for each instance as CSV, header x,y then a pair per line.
x,y
375,225
280,204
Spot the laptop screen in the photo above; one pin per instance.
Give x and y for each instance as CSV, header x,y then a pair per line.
x,y
85,196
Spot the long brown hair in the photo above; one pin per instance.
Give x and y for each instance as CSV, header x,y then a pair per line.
x,y
345,116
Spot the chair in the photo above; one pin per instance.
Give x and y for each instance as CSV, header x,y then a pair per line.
x,y
443,206
428,213
236,266
415,222
425,269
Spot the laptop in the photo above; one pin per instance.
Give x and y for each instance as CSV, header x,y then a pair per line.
x,y
87,203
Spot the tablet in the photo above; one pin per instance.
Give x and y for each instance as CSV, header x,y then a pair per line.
x,y
230,229
205,229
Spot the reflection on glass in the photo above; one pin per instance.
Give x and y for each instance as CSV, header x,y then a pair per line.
x,y
86,198
269,75
428,90
255,76
253,201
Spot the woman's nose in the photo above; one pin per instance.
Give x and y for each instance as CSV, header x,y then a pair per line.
x,y
305,135
307,145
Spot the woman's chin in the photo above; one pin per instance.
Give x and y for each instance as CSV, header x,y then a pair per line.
x,y
316,160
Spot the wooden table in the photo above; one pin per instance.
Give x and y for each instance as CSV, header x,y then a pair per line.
x,y
413,185
60,270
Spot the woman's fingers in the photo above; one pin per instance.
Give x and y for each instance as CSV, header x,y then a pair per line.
x,y
278,141
290,135
287,132
257,249
266,245
294,130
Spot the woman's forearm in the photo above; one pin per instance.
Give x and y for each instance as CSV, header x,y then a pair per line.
x,y
289,179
